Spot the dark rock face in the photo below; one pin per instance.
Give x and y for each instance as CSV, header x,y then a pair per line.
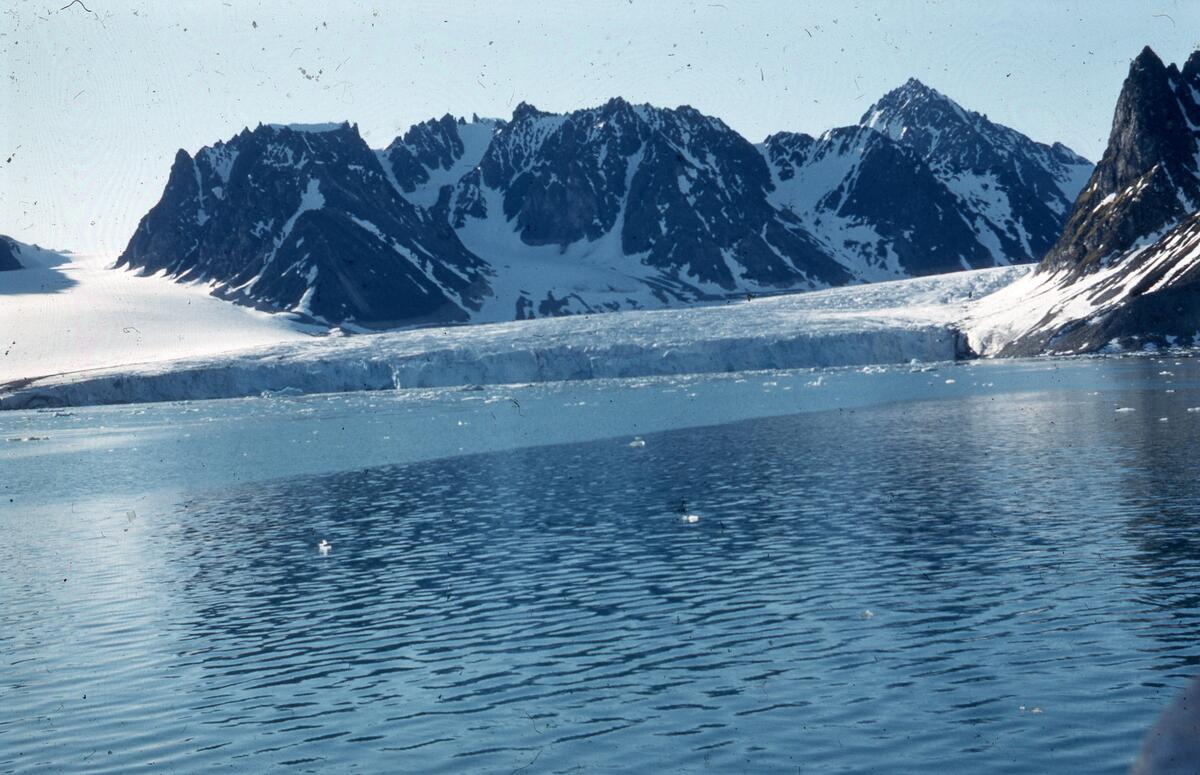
x,y
9,250
305,219
922,186
1148,178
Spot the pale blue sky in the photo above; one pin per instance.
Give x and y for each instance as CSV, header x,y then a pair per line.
x,y
95,104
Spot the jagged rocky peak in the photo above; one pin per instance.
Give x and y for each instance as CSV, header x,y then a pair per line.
x,y
1148,178
786,151
922,185
1124,273
305,219
915,114
436,153
939,128
1150,124
977,158
674,190
961,140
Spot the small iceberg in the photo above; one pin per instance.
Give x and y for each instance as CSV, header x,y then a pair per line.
x,y
281,393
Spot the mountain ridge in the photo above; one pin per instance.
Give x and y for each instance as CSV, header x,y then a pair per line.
x,y
618,206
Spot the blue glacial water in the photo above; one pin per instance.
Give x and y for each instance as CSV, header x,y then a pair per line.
x,y
976,569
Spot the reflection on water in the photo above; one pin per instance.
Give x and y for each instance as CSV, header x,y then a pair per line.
x,y
983,585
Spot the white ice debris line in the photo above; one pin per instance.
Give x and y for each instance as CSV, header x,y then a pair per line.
x,y
864,325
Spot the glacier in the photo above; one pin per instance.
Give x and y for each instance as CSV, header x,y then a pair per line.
x,y
881,323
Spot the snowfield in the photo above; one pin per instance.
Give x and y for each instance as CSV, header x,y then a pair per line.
x,y
882,323
66,313
1033,303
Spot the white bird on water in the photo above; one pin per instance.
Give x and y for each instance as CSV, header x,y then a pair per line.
x,y
324,547
638,441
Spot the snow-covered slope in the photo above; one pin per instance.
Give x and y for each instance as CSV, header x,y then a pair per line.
x,y
922,186
1126,271
872,324
1151,297
66,313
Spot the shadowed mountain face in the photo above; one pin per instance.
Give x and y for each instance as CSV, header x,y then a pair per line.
x,y
9,250
1127,258
615,207
305,219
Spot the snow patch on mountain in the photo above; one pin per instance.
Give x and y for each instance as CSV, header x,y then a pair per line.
x,y
318,128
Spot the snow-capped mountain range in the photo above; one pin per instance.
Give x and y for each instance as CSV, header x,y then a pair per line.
x,y
619,206
1125,272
